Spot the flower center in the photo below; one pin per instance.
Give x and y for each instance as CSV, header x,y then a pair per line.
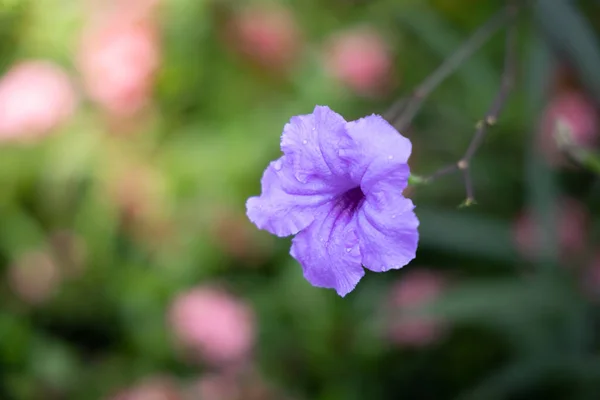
x,y
354,198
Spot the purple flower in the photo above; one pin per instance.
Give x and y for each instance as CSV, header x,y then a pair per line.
x,y
338,187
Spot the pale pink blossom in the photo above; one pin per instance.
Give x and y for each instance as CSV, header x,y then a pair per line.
x,y
35,98
362,60
118,60
266,35
213,324
413,291
34,277
577,112
571,230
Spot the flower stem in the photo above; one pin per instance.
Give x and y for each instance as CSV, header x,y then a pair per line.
x,y
402,112
491,116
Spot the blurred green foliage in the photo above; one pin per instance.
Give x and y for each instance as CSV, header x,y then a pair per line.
x,y
521,329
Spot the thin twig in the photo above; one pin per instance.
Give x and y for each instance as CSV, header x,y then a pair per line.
x,y
505,87
447,170
491,116
468,187
401,113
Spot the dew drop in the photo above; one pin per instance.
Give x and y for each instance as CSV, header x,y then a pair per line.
x,y
390,157
277,165
304,141
348,249
393,216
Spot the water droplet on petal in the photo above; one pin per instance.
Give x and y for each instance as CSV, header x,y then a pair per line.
x,y
304,141
390,157
277,165
348,249
301,176
393,216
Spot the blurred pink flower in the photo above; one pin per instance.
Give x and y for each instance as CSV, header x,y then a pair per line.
x,y
414,290
267,35
572,230
577,111
35,97
118,60
151,389
34,277
213,324
361,60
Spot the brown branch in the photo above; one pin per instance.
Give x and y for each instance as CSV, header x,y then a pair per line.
x,y
491,116
402,112
508,77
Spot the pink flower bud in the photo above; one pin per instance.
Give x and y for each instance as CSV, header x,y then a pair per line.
x,y
571,230
267,35
213,324
578,114
414,290
34,277
118,60
361,60
35,97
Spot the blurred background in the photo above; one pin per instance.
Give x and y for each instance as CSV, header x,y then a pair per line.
x,y
133,131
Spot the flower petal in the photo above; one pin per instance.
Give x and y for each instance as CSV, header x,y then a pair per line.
x,y
387,224
328,249
376,142
285,207
311,144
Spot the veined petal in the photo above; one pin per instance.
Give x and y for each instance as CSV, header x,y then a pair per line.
x,y
377,144
285,207
387,227
387,224
328,250
311,144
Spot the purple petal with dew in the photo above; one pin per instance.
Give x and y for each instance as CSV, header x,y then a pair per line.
x,y
284,207
387,228
311,144
376,141
328,250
